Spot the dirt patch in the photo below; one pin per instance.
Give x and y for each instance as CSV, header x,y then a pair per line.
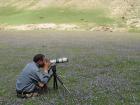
x,y
133,23
50,26
62,27
107,28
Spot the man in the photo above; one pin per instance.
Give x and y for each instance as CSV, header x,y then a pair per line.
x,y
32,79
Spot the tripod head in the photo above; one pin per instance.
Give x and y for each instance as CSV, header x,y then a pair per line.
x,y
53,67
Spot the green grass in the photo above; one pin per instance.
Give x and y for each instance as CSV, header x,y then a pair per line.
x,y
11,15
134,30
103,68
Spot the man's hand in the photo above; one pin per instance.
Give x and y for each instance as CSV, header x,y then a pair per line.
x,y
46,66
40,84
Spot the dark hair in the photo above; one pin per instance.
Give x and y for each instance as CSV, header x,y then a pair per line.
x,y
38,57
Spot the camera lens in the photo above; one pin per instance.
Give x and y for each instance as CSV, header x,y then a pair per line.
x,y
59,60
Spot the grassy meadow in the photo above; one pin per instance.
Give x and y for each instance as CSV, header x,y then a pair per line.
x,y
103,68
85,14
14,16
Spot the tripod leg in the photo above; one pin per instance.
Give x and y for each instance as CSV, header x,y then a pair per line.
x,y
54,82
59,79
55,85
61,82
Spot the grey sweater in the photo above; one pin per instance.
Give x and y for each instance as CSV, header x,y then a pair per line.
x,y
30,76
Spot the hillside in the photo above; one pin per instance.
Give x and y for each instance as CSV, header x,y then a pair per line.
x,y
123,12
117,7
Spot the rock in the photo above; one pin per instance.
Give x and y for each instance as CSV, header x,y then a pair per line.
x,y
109,29
133,23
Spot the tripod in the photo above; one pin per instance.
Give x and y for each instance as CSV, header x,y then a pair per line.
x,y
57,78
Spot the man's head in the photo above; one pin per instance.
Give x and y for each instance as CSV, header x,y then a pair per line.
x,y
39,59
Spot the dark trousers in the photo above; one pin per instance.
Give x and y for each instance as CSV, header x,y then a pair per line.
x,y
38,90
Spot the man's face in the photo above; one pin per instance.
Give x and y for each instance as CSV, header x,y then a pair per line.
x,y
41,63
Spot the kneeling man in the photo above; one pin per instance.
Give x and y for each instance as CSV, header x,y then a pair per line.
x,y
32,79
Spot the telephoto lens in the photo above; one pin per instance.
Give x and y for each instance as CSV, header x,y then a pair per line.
x,y
59,60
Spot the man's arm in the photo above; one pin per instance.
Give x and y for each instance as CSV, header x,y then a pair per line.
x,y
44,76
